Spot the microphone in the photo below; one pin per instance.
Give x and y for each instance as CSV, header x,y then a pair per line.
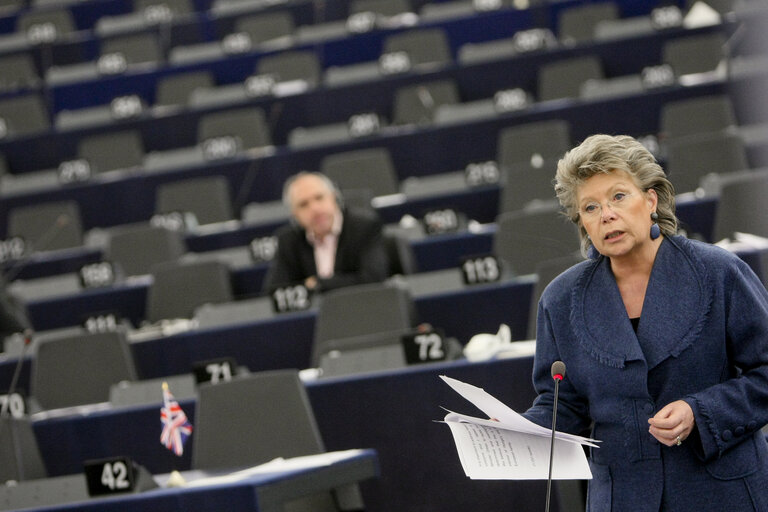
x,y
558,373
27,334
42,243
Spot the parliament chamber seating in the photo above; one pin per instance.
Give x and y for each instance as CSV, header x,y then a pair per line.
x,y
144,145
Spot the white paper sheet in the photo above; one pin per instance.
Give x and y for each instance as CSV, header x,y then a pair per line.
x,y
511,448
490,453
507,418
278,465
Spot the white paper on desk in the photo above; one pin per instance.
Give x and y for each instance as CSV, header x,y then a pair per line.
x,y
278,465
512,448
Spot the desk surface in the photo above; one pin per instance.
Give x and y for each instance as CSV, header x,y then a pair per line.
x,y
255,491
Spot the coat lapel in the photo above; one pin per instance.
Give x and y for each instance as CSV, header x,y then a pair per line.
x,y
600,319
677,302
674,310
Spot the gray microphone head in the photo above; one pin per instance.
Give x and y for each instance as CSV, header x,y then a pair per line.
x,y
558,370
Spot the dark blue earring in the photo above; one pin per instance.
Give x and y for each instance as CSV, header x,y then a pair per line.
x,y
655,230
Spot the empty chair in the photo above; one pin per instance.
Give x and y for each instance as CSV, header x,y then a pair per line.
x,y
361,310
207,198
525,182
174,7
424,47
46,25
248,125
436,281
336,76
495,49
439,11
137,249
20,457
434,184
231,313
577,24
262,28
11,6
627,85
41,288
178,288
289,66
47,226
622,28
528,155
741,206
320,32
141,48
546,271
365,169
564,78
402,260
87,117
694,54
23,115
18,72
691,158
382,7
533,142
269,212
417,104
176,89
112,151
79,369
460,113
528,237
241,423
325,134
363,354
697,115
236,258
150,391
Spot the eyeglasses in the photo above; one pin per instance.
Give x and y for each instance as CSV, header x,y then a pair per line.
x,y
594,210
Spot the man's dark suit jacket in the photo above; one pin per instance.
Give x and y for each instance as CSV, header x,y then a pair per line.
x,y
361,255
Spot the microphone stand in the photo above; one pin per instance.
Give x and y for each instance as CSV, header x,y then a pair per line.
x,y
557,377
10,273
15,379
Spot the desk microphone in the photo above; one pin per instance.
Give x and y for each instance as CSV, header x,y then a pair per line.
x,y
558,372
42,243
13,270
27,335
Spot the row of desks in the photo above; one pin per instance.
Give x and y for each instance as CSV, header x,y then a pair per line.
x,y
392,412
285,341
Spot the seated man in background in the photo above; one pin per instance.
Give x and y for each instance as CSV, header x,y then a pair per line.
x,y
325,246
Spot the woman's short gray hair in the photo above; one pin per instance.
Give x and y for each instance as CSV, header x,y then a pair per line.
x,y
603,154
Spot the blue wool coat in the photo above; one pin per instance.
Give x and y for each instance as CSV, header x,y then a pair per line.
x,y
702,338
